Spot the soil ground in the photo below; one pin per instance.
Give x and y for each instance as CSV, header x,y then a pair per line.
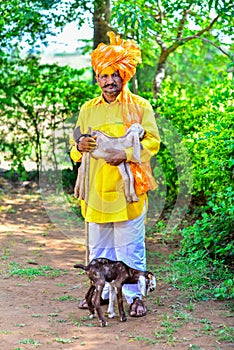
x,y
41,312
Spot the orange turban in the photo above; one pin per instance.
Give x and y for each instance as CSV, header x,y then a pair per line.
x,y
121,55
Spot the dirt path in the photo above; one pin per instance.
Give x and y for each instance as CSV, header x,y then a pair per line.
x,y
42,312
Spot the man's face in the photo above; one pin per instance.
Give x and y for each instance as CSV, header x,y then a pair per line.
x,y
111,84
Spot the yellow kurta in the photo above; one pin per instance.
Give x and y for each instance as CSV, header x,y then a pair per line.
x,y
106,198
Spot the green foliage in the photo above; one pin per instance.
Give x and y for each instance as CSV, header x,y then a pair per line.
x,y
30,341
35,101
32,272
162,29
205,125
200,278
23,20
169,21
31,22
74,204
213,233
197,63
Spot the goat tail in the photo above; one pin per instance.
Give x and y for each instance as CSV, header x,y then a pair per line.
x,y
80,266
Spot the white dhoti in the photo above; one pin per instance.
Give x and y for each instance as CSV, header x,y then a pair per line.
x,y
122,241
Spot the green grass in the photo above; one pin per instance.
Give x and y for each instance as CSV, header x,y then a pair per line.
x,y
36,315
146,340
61,320
30,341
5,254
33,272
197,279
63,340
5,332
7,209
64,298
225,333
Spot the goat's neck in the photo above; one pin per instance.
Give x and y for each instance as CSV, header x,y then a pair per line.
x,y
134,274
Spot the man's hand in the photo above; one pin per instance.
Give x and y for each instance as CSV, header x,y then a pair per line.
x,y
115,157
87,143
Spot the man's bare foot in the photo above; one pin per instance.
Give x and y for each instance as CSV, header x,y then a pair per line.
x,y
137,308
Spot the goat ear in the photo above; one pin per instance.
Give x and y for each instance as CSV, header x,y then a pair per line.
x,y
142,285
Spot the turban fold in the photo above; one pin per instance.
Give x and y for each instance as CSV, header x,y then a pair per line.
x,y
121,55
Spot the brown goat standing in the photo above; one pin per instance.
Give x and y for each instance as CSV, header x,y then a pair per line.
x,y
117,273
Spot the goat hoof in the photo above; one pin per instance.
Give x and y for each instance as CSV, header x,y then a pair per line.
x,y
111,315
103,323
123,319
91,316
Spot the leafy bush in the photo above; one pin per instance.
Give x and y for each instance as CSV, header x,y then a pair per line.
x,y
204,119
200,277
213,233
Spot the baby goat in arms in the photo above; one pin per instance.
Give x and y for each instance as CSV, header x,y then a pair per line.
x,y
104,142
117,273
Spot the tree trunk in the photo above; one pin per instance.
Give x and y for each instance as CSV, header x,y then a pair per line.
x,y
160,72
135,84
101,21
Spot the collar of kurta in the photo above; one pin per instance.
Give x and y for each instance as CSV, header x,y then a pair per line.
x,y
101,99
130,107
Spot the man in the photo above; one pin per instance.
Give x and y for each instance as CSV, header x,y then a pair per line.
x,y
117,228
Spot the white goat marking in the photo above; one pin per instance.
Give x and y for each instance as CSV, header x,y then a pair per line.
x,y
104,143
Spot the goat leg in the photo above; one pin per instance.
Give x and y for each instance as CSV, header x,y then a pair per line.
x,y
97,302
88,298
132,192
126,180
122,314
79,191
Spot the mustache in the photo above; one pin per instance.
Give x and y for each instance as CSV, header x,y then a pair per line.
x,y
112,85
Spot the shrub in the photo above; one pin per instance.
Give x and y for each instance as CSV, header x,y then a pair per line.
x,y
213,233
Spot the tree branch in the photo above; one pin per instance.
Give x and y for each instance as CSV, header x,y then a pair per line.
x,y
181,41
182,21
210,42
208,27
